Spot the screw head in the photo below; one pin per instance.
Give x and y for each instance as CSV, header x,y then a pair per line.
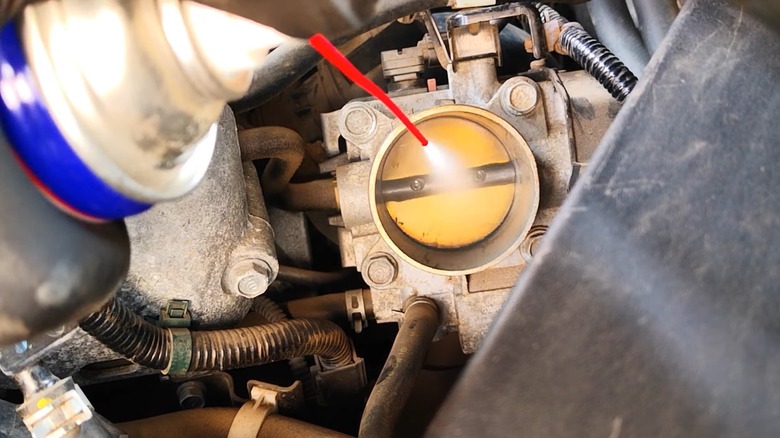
x,y
522,98
417,185
480,175
192,395
380,271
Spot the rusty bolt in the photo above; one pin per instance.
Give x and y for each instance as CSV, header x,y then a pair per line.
x,y
192,394
380,270
248,278
521,98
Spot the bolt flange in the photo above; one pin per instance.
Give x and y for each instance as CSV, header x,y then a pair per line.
x,y
521,98
380,270
247,278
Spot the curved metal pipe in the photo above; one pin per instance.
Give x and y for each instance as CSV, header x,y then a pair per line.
x,y
399,374
655,18
292,60
615,28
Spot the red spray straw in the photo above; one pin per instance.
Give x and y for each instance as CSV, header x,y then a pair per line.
x,y
332,54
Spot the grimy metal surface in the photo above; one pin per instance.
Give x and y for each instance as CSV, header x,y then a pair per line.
x,y
651,309
179,251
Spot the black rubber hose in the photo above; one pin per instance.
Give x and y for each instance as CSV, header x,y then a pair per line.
x,y
308,277
126,333
286,150
292,60
283,146
145,344
655,17
616,29
398,376
598,61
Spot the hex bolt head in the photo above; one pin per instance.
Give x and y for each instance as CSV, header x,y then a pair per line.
x,y
380,270
358,123
521,98
192,395
248,278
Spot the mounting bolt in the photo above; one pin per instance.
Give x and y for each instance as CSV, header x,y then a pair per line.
x,y
380,270
358,123
57,332
192,395
521,98
530,245
417,185
248,278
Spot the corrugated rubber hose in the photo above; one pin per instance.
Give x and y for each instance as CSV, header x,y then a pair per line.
x,y
145,344
299,369
593,56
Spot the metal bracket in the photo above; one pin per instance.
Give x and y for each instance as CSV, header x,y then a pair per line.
x,y
442,54
493,14
356,309
175,314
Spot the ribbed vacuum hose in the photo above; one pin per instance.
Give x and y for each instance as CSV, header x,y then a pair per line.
x,y
593,56
269,310
145,344
128,334
299,369
599,62
249,346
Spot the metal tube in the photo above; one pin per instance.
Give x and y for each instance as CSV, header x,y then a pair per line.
x,y
419,186
399,374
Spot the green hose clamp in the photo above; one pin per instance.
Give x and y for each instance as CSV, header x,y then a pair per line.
x,y
181,351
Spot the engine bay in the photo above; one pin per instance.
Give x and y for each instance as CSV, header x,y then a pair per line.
x,y
326,275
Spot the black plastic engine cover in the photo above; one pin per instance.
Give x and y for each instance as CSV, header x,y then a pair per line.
x,y
653,307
